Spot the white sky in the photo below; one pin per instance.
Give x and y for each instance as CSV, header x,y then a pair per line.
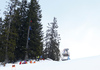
x,y
78,21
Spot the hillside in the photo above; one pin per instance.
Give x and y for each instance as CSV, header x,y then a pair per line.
x,y
89,63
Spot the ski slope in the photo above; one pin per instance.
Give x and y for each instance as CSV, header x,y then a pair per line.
x,y
89,63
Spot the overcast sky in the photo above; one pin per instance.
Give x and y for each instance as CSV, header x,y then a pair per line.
x,y
78,21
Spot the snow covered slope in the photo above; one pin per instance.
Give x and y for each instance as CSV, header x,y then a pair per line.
x,y
90,63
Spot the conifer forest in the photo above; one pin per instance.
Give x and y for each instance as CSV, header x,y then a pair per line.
x,y
22,36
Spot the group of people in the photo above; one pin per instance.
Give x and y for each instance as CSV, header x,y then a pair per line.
x,y
25,62
37,59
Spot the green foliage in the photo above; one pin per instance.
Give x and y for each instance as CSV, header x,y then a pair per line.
x,y
35,43
15,31
22,25
2,52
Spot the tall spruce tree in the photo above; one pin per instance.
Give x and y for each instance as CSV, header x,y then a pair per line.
x,y
52,42
9,32
34,37
22,19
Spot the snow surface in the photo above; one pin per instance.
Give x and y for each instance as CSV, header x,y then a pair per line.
x,y
89,63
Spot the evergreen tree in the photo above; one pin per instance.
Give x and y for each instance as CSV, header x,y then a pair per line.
x,y
22,19
9,32
52,42
35,45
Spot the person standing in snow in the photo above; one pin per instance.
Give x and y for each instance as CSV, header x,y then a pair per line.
x,y
41,57
20,63
38,58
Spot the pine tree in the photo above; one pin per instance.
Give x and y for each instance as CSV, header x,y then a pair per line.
x,y
22,19
35,45
9,32
52,42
